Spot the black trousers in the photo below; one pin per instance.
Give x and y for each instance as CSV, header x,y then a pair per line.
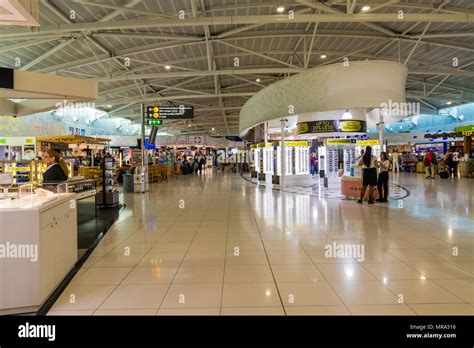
x,y
382,183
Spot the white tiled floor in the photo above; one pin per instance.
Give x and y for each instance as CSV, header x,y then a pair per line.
x,y
239,249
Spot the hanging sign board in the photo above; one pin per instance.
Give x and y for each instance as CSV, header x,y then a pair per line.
x,y
368,142
340,141
6,78
156,112
332,126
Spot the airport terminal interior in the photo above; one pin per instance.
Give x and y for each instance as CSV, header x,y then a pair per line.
x,y
237,157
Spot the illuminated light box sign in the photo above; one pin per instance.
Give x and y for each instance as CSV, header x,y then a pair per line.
x,y
340,141
154,122
368,142
181,112
466,130
332,126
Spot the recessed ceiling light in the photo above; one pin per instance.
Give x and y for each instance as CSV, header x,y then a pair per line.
x,y
449,102
213,129
323,56
189,125
109,106
258,80
167,67
280,9
365,8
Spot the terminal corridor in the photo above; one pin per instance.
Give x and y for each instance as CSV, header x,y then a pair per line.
x,y
219,245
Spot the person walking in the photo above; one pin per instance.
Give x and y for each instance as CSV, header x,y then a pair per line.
x,y
369,164
430,163
201,164
312,163
382,184
395,164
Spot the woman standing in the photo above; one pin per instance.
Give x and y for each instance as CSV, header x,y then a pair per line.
x,y
56,170
383,178
368,162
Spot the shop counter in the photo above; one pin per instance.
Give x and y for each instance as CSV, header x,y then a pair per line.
x,y
351,186
38,248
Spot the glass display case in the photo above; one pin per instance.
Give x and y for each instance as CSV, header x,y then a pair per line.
x,y
21,171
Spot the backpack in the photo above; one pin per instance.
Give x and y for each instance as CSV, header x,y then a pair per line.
x,y
427,161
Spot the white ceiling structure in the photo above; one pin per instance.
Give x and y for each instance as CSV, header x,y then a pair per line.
x,y
186,51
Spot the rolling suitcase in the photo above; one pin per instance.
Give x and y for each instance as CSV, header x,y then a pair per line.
x,y
444,175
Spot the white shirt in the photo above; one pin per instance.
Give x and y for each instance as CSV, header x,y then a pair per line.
x,y
385,165
361,163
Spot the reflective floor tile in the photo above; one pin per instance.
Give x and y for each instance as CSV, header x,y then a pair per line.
x,y
161,259
393,309
250,295
340,271
135,297
189,311
307,294
317,310
295,257
199,274
204,259
297,273
248,274
421,291
82,297
253,311
246,258
363,293
125,312
391,270
101,276
193,296
462,288
119,260
443,309
151,275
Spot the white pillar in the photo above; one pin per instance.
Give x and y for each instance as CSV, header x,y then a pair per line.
x,y
283,154
381,128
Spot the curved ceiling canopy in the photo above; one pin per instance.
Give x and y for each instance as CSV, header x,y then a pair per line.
x,y
360,84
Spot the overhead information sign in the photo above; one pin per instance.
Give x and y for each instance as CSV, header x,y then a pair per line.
x,y
181,112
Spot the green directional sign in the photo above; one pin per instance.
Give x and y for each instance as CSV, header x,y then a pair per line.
x,y
155,122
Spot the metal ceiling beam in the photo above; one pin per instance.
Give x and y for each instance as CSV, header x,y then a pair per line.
x,y
386,4
431,106
47,54
28,43
121,53
256,53
179,97
250,27
247,71
326,8
448,34
233,20
145,36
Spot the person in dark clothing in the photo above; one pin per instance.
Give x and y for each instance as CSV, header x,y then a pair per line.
x,y
369,163
450,163
201,164
53,174
185,167
383,178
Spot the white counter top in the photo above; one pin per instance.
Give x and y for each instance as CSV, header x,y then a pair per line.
x,y
41,202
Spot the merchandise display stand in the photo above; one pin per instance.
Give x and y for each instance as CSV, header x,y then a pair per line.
x,y
109,197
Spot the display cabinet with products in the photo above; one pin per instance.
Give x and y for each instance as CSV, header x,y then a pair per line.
x,y
21,171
